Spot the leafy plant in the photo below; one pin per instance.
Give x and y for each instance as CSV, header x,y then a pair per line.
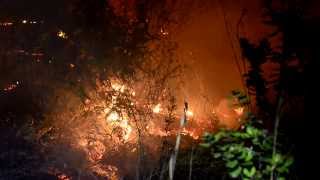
x,y
248,153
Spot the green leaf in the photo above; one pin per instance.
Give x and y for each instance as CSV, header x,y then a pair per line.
x,y
237,134
243,155
276,158
282,169
228,155
223,148
236,173
219,136
245,136
289,161
268,168
206,136
249,130
266,145
217,155
232,164
249,156
249,173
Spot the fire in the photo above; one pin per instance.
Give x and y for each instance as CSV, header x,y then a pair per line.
x,y
113,117
72,65
116,121
6,24
63,177
191,133
109,124
127,129
189,113
62,35
11,87
156,131
157,109
239,110
118,87
164,32
96,150
111,172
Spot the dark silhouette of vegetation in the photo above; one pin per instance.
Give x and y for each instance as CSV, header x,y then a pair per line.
x,y
293,48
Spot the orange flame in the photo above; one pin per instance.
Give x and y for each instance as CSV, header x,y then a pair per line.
x,y
157,109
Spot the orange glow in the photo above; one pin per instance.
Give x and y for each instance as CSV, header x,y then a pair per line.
x,y
6,24
118,87
157,109
62,34
72,65
127,129
11,87
115,121
189,113
63,177
239,110
191,133
114,116
111,172
111,127
164,32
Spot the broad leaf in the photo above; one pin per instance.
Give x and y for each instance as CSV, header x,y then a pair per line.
x,y
232,164
236,173
249,173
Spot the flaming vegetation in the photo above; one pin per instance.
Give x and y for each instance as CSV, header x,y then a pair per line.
x,y
113,111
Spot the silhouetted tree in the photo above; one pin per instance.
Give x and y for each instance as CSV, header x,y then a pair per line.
x,y
295,52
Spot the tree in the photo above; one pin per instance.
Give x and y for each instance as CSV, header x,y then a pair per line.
x,y
295,53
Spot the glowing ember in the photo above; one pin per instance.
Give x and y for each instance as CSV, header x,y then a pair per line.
x,y
96,150
118,87
190,133
113,116
106,110
11,87
157,109
133,93
6,24
111,172
120,122
63,177
164,32
62,34
189,113
239,110
156,131
72,65
127,129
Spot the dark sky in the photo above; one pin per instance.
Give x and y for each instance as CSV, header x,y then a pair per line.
x,y
30,8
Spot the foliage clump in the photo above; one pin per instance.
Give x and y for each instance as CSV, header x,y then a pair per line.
x,y
248,153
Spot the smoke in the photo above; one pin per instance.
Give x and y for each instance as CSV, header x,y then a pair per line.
x,y
116,126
